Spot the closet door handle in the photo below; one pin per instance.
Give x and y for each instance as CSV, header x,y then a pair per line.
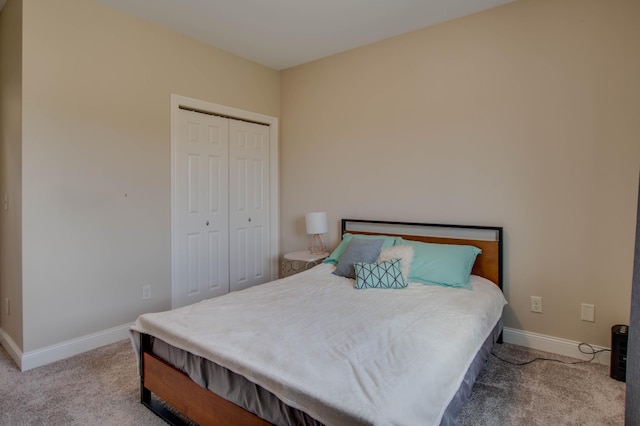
x,y
207,223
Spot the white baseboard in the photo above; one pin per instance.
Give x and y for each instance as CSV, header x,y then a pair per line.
x,y
11,347
39,357
552,344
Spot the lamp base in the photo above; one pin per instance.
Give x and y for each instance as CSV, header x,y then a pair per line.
x,y
318,246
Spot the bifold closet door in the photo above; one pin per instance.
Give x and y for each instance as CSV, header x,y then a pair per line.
x,y
248,204
201,259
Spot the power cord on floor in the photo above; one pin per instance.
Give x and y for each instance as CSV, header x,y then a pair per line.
x,y
592,351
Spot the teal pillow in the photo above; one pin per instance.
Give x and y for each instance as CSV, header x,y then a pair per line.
x,y
379,275
358,250
334,257
442,264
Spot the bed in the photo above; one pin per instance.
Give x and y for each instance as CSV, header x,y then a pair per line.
x,y
312,349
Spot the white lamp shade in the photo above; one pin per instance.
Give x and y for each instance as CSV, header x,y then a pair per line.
x,y
316,223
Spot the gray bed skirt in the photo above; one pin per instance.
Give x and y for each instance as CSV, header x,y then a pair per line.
x,y
254,398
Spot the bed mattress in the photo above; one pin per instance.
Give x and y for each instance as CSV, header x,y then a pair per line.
x,y
266,405
340,355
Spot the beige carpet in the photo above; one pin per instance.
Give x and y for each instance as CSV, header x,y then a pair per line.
x,y
101,387
544,392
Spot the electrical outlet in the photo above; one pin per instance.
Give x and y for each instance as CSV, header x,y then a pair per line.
x,y
536,304
588,312
146,292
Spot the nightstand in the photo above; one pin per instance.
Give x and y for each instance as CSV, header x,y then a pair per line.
x,y
298,261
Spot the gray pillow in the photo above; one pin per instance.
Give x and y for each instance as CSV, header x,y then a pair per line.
x,y
358,250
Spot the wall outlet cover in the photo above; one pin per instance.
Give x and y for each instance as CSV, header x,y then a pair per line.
x,y
536,304
588,312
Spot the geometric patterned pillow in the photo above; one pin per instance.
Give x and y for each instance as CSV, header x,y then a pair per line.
x,y
379,275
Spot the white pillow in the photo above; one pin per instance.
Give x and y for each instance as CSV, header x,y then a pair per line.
x,y
404,253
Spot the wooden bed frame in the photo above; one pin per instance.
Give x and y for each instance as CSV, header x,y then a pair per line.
x,y
207,408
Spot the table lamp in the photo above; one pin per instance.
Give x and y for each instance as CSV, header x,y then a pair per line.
x,y
317,225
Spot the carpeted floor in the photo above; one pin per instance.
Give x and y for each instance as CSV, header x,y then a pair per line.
x,y
101,387
543,392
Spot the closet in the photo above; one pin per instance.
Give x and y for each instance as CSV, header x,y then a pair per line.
x,y
221,205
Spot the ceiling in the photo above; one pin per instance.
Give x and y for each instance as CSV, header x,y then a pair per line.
x,y
284,33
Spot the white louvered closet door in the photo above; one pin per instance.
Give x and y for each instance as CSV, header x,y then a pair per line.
x,y
202,217
248,204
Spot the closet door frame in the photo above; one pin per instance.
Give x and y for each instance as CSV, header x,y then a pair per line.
x,y
177,102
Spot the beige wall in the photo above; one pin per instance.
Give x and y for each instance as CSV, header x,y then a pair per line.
x,y
10,168
96,159
524,116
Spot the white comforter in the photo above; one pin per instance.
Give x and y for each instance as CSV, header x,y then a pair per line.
x,y
343,356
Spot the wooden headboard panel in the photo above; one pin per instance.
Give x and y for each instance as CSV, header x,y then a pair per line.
x,y
487,238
